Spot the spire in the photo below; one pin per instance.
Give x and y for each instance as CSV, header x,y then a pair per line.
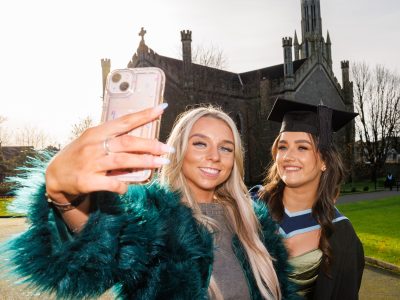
x,y
328,39
311,22
296,47
311,27
295,42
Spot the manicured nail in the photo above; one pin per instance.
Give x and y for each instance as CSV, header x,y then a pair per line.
x,y
167,148
161,160
162,106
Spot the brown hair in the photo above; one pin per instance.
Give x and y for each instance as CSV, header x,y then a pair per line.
x,y
328,190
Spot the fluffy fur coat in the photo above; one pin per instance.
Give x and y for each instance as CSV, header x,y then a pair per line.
x,y
144,245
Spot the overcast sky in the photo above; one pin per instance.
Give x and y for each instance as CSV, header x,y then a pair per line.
x,y
51,50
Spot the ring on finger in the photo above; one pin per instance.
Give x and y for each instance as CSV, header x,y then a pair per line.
x,y
106,146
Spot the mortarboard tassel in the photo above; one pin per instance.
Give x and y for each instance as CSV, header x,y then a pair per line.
x,y
324,114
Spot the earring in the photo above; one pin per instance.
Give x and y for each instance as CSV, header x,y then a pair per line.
x,y
323,169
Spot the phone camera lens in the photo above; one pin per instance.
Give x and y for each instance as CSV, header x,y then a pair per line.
x,y
124,86
116,77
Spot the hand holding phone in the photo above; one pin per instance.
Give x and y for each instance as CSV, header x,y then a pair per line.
x,y
131,90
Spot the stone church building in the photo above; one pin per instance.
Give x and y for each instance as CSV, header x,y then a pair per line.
x,y
305,75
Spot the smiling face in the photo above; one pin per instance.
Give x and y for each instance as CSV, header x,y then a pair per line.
x,y
209,157
299,164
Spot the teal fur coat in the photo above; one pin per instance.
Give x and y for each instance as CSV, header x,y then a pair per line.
x,y
144,244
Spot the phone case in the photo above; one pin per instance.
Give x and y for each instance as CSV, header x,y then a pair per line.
x,y
130,90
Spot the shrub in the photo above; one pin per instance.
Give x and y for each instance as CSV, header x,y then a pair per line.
x,y
353,189
365,188
5,188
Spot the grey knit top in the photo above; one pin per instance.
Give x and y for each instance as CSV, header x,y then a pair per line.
x,y
227,271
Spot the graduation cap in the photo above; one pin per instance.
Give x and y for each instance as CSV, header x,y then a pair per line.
x,y
319,120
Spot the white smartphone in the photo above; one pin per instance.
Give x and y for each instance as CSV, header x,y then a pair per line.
x,y
130,90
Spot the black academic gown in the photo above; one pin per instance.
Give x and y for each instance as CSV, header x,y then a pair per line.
x,y
347,266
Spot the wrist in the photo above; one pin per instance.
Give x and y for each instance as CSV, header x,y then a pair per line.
x,y
65,203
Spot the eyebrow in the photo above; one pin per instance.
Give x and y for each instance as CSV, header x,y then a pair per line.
x,y
206,137
297,142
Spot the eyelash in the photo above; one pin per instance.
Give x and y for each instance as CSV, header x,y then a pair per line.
x,y
300,148
225,149
199,144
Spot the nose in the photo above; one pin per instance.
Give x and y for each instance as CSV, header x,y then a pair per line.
x,y
288,155
213,154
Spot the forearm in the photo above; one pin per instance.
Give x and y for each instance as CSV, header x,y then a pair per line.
x,y
75,212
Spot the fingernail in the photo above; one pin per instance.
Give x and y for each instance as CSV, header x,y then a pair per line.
x,y
167,148
161,160
162,106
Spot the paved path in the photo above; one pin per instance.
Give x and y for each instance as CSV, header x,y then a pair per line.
x,y
367,196
379,284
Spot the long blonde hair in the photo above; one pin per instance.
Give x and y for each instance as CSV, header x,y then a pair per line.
x,y
232,194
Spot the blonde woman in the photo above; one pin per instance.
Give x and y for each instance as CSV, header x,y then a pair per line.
x,y
205,240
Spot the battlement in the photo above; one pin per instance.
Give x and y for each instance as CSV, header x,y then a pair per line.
x,y
344,64
287,42
186,35
105,62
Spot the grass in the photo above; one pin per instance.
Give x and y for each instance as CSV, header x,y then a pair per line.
x,y
3,206
4,202
377,224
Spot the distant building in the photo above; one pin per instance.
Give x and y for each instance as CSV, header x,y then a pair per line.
x,y
393,157
306,73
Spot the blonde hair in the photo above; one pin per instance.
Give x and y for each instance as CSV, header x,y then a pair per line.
x,y
232,194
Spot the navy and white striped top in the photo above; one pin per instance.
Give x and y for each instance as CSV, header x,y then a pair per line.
x,y
302,221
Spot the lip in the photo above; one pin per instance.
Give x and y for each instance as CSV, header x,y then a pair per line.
x,y
209,172
291,168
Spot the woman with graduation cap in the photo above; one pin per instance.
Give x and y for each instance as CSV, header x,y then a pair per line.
x,y
301,189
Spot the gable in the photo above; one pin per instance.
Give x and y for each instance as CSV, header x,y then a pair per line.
x,y
319,86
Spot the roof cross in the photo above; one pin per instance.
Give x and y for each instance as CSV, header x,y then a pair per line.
x,y
142,33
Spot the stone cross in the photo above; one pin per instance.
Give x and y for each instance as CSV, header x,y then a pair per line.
x,y
142,33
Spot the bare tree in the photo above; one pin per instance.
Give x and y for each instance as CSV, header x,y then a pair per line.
x,y
212,56
377,100
5,135
31,136
81,126
208,56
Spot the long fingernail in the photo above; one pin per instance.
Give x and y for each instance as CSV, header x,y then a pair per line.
x,y
167,148
161,160
162,106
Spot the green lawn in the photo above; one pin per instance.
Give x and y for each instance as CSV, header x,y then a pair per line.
x,y
4,202
3,206
377,224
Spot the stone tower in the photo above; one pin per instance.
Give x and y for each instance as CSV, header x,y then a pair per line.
x,y
186,38
105,67
312,41
311,26
288,62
